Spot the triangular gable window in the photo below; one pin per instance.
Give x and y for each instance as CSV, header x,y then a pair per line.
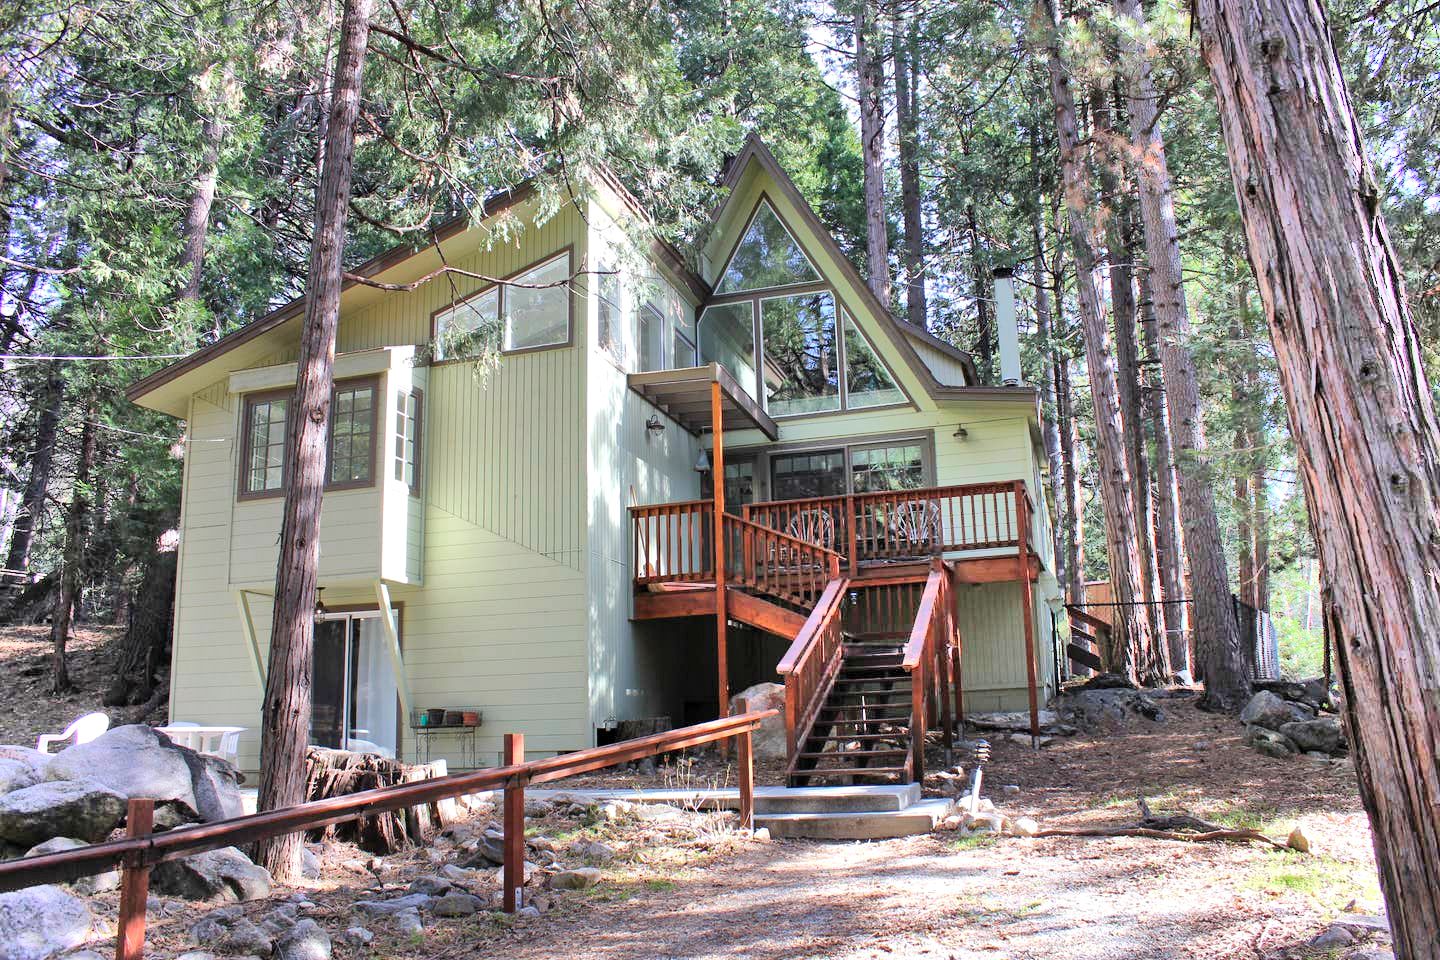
x,y
868,382
766,257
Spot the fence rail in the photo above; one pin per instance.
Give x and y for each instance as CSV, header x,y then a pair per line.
x,y
777,564
810,666
929,658
142,849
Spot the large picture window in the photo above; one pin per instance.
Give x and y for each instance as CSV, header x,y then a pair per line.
x,y
899,466
802,362
727,337
767,256
812,355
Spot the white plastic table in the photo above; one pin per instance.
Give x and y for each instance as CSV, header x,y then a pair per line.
x,y
222,742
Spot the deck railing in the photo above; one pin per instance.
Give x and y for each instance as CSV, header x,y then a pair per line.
x,y
928,658
903,524
672,542
142,848
770,562
810,666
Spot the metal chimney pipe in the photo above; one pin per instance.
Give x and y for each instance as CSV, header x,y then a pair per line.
x,y
1007,333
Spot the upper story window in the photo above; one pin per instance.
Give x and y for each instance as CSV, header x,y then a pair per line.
x,y
352,435
796,350
767,256
650,332
350,450
262,462
407,439
802,358
529,311
536,306
610,332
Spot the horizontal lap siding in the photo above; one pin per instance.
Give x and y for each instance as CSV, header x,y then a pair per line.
x,y
501,619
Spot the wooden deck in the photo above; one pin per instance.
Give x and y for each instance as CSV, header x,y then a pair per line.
x,y
863,586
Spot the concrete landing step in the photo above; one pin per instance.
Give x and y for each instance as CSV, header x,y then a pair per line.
x,y
917,818
876,798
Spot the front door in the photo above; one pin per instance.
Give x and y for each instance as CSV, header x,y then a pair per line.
x,y
354,698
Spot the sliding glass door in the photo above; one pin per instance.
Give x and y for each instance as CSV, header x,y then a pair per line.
x,y
354,693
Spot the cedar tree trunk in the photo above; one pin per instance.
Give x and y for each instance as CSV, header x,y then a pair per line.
x,y
286,719
1361,412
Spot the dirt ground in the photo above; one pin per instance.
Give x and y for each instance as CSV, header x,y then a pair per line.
x,y
691,888
30,709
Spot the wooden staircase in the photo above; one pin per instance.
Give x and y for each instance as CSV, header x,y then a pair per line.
x,y
859,700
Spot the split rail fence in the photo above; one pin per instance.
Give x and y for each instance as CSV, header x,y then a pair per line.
x,y
141,849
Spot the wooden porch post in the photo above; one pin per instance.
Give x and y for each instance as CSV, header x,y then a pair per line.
x,y
1027,599
717,430
745,769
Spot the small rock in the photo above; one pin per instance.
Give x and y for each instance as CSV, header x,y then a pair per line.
x,y
1201,745
85,886
1024,827
40,921
489,850
1370,954
95,955
456,874
242,936
530,870
1298,841
595,850
307,940
1268,710
993,822
225,875
529,913
1322,735
538,808
1331,937
762,834
1268,742
358,936
407,923
189,955
1010,789
381,908
455,905
1362,921
582,878
953,822
432,885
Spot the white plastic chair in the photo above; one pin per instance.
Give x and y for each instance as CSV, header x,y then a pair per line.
x,y
84,730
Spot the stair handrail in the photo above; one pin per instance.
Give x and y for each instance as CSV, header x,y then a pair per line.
x,y
769,561
811,664
926,659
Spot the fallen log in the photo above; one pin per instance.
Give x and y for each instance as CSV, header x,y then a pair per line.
x,y
1181,827
1225,835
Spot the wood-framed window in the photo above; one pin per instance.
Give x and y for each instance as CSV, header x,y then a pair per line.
x,y
263,438
532,309
782,331
409,405
351,448
354,422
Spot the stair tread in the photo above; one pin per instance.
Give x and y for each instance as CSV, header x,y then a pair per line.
x,y
847,771
854,754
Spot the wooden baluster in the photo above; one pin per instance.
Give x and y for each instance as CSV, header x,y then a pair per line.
x,y
852,522
513,878
134,883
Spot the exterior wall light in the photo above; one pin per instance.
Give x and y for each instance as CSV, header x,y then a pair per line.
x,y
960,432
654,424
702,462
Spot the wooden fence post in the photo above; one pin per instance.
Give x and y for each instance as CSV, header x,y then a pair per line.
x,y
744,761
134,884
514,872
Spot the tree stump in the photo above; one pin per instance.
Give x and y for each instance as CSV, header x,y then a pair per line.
x,y
338,773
